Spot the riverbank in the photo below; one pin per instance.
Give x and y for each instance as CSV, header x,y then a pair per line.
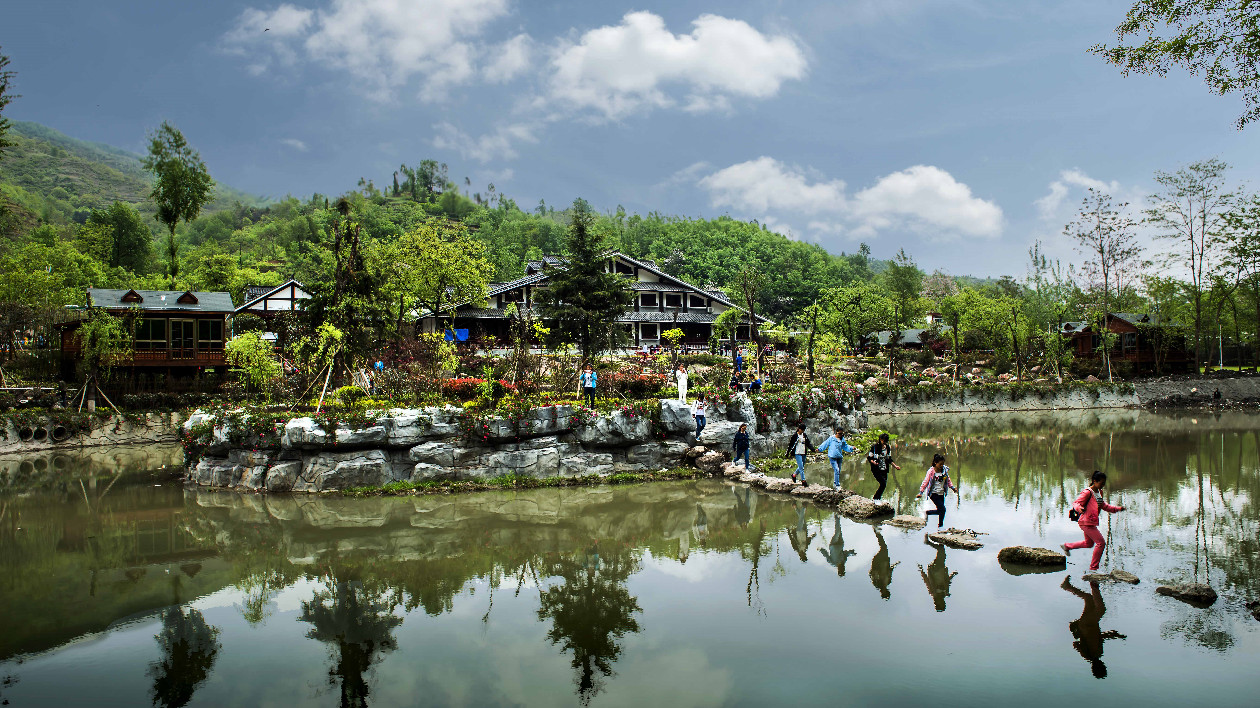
x,y
30,432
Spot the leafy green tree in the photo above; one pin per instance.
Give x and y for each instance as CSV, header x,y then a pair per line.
x,y
855,311
904,282
255,359
1190,212
182,187
131,244
1218,39
6,95
435,265
747,286
584,299
1242,259
105,340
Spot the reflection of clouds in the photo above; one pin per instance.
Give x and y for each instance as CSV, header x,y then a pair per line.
x,y
654,678
699,566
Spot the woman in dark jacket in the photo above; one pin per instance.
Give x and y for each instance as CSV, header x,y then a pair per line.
x,y
798,446
740,444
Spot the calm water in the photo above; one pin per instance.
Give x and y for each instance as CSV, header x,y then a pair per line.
x,y
120,588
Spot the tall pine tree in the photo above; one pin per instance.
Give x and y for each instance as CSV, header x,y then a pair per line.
x,y
583,299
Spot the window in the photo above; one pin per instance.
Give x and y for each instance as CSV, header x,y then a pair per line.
x,y
741,332
648,300
514,296
209,334
624,269
1128,341
150,334
673,299
649,331
696,301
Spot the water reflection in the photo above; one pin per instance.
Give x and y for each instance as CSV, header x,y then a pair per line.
x,y
937,576
835,552
590,611
357,621
188,648
1087,633
799,535
882,567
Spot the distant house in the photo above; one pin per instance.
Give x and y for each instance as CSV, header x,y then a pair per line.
x,y
1142,342
178,334
910,339
267,301
661,302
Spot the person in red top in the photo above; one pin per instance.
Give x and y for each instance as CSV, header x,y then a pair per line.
x,y
1087,505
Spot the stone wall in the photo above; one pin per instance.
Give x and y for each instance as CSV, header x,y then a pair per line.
x,y
427,444
964,401
111,432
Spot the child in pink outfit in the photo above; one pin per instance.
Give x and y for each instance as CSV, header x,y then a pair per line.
x,y
1087,505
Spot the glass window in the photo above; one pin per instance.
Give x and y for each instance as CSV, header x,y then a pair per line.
x,y
209,334
649,331
648,299
1130,341
673,299
151,334
696,301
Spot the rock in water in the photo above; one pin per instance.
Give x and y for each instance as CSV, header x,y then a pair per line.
x,y
779,484
1254,606
1125,576
1097,577
830,497
812,490
1031,556
907,522
858,507
957,538
710,462
1196,594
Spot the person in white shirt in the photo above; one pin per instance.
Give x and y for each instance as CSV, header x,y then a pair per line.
x,y
697,412
681,376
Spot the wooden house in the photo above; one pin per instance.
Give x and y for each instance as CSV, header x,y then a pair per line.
x,y
267,301
661,302
1143,343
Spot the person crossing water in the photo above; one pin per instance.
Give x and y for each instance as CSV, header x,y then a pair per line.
x,y
1087,506
836,447
937,483
880,458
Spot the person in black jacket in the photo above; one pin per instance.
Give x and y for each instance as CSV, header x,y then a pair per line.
x,y
798,446
740,444
880,458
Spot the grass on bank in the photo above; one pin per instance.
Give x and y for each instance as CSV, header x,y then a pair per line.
x,y
518,481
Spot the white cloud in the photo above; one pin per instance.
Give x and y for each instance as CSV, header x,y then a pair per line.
x,y
617,70
511,59
295,144
497,144
1048,206
922,198
381,43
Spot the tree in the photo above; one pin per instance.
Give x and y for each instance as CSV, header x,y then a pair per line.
x,y
584,299
6,95
1190,211
1242,258
131,244
182,187
1104,234
748,284
255,358
1218,39
189,647
855,311
435,265
904,282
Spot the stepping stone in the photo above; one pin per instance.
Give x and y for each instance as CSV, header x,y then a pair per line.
x,y
812,490
862,508
1125,576
1031,556
957,538
1254,606
906,521
1196,594
831,497
779,484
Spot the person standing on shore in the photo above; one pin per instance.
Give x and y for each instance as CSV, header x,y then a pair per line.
x,y
681,377
587,381
697,411
937,483
798,446
741,444
1087,506
880,458
836,447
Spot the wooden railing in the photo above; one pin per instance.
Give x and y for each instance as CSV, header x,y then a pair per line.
x,y
162,357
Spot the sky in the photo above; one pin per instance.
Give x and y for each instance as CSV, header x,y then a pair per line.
x,y
961,130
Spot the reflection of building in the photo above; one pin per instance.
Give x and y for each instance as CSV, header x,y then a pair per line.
x,y
177,334
661,302
1142,342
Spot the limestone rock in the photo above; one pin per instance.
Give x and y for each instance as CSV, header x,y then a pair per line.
x,y
809,491
536,463
282,476
425,472
750,478
741,410
342,470
906,521
302,433
694,452
1097,577
676,416
957,538
433,453
360,437
1197,594
859,507
586,463
719,434
1031,556
830,497
1125,577
870,381
779,484
711,462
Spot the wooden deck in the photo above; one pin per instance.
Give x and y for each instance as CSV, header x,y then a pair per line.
x,y
163,357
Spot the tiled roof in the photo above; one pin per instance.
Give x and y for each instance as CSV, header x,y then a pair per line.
x,y
688,317
166,300
266,290
518,283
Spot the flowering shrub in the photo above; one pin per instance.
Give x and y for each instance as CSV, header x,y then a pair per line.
x,y
631,384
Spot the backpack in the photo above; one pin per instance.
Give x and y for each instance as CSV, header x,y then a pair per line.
x,y
1074,515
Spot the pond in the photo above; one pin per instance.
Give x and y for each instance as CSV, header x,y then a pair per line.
x,y
120,587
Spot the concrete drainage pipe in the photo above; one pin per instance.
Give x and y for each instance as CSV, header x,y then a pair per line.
x,y
40,435
25,434
59,433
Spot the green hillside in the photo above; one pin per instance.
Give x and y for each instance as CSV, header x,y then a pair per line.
x,y
51,177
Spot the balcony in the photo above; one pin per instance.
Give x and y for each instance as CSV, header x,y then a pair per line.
x,y
161,357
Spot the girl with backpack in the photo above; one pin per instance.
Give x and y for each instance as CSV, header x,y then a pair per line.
x,y
880,458
937,483
740,445
1085,514
798,446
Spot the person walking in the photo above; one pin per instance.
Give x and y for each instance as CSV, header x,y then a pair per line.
x,y
740,444
739,361
937,483
697,411
880,458
836,447
797,447
1087,506
587,381
755,386
681,377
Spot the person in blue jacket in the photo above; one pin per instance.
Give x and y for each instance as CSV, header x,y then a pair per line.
x,y
739,361
587,381
740,445
836,447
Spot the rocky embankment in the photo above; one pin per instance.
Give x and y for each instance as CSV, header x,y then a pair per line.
x,y
418,445
53,433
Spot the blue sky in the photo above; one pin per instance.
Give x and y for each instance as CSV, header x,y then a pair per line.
x,y
961,130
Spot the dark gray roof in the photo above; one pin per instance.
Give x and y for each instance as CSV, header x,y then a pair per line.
x,y
663,287
518,283
265,290
165,300
253,292
667,317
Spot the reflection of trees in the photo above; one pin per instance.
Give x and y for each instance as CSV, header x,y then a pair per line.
x,y
189,647
936,576
356,620
590,611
